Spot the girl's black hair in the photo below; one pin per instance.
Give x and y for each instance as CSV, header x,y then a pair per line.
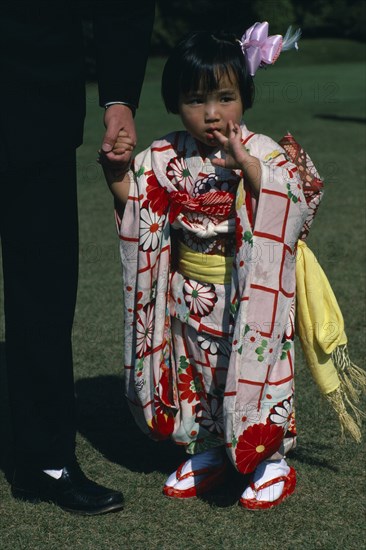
x,y
199,61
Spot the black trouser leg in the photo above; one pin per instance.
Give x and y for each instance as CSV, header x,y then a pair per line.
x,y
39,235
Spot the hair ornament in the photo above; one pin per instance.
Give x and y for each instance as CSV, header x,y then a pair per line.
x,y
290,39
260,49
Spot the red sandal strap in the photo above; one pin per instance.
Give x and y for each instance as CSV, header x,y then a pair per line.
x,y
268,483
289,487
193,473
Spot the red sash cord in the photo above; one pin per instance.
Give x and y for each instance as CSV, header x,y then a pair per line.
x,y
217,203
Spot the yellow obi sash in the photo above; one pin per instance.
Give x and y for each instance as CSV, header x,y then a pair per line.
x,y
209,268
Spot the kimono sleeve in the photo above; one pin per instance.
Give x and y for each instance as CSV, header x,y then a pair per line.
x,y
279,175
311,181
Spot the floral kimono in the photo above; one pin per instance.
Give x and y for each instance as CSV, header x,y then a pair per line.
x,y
209,290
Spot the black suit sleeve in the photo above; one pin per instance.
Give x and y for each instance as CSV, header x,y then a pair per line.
x,y
122,31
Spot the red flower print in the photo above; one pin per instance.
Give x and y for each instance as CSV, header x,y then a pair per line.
x,y
238,233
162,424
190,385
157,195
292,426
252,337
199,297
178,173
151,225
166,385
257,443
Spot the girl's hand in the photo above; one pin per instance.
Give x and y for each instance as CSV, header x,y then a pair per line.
x,y
116,174
236,154
237,157
123,143
121,153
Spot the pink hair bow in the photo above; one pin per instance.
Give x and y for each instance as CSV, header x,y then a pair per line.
x,y
260,49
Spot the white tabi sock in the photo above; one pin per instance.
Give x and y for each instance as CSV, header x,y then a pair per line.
x,y
267,470
212,457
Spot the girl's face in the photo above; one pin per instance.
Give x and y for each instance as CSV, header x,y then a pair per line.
x,y
203,112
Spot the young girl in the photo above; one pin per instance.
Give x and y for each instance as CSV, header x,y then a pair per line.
x,y
208,243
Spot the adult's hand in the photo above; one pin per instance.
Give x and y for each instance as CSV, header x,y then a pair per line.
x,y
117,117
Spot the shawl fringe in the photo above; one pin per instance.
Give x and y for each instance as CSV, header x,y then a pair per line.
x,y
345,398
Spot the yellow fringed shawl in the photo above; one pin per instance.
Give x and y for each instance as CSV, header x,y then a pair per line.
x,y
320,327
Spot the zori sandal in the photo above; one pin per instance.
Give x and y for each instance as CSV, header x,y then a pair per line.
x,y
267,494
196,476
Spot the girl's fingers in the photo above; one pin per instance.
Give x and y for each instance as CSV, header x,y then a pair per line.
x,y
127,140
218,162
122,133
233,129
230,129
123,144
237,130
121,150
117,155
219,137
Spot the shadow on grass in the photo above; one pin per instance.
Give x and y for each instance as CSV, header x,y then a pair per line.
x,y
104,419
229,493
340,118
310,454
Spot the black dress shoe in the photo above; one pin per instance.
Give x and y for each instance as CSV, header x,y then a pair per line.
x,y
73,491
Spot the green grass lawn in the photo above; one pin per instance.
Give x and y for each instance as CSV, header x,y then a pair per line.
x,y
318,94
